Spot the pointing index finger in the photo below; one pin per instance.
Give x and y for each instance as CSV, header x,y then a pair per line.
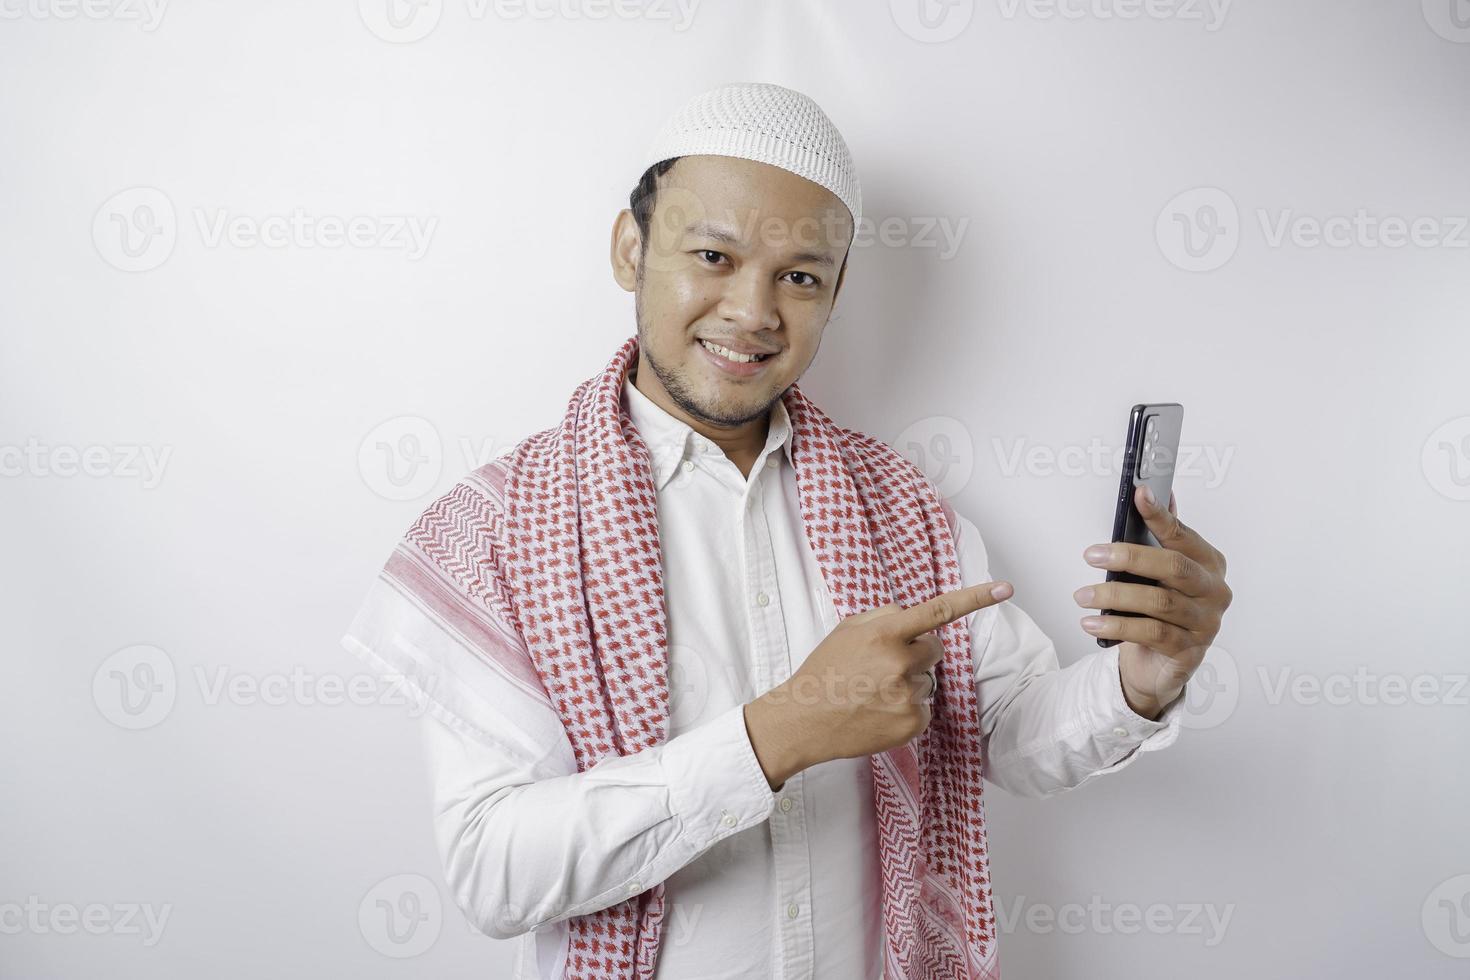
x,y
915,620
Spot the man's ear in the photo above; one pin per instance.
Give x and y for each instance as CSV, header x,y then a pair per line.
x,y
626,250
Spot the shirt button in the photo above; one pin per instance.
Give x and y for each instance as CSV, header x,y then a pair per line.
x,y
761,599
688,465
634,888
785,804
1120,732
730,820
792,911
772,460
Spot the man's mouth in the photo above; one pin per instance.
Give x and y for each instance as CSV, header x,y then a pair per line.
x,y
734,357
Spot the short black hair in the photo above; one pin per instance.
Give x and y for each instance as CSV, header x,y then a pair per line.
x,y
645,196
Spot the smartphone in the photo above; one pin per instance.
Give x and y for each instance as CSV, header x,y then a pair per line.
x,y
1149,455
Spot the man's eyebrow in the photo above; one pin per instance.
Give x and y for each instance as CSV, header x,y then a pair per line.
x,y
820,258
704,229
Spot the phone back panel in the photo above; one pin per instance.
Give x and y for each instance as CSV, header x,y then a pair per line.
x,y
1149,457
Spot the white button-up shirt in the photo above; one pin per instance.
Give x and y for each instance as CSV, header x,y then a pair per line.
x,y
758,883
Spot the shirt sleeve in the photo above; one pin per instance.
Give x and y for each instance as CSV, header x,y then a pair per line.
x,y
1046,729
525,838
522,852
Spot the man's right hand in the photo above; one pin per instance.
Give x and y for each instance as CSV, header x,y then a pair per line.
x,y
863,689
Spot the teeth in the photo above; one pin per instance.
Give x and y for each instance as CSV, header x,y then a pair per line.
x,y
731,355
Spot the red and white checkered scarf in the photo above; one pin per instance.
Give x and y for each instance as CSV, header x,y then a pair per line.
x,y
575,558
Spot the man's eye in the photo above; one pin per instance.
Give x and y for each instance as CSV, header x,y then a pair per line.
x,y
811,279
705,254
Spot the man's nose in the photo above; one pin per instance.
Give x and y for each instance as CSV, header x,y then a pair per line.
x,y
749,301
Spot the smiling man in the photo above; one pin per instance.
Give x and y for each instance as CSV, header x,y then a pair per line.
x,y
713,683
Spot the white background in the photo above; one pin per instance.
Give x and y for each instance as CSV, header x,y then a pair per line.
x,y
1328,381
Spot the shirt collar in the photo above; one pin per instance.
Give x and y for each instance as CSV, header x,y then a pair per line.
x,y
671,440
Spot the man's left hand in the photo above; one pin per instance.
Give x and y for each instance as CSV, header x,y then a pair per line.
x,y
1163,647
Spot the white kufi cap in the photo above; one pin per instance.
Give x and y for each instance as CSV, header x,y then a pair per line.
x,y
766,123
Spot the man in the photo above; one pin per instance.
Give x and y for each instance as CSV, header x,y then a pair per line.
x,y
712,680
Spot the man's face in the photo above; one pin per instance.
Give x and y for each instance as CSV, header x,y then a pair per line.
x,y
742,255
